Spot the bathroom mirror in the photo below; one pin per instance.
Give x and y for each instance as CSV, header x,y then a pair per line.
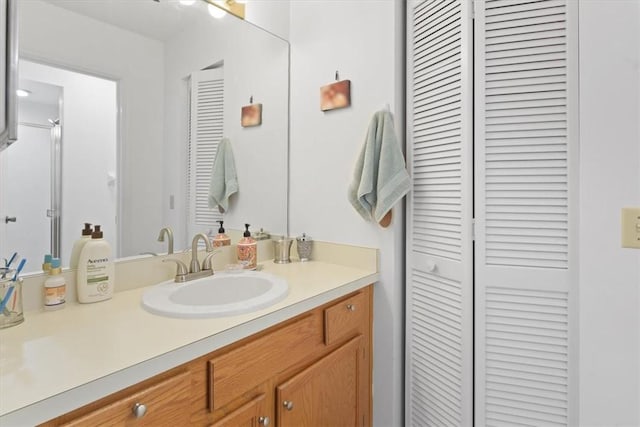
x,y
139,94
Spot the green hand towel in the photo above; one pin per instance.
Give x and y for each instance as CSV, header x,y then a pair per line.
x,y
224,181
380,178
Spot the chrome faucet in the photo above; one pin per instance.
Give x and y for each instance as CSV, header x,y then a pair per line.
x,y
195,264
169,232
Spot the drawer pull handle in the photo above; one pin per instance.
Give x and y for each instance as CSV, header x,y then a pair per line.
x,y
351,307
288,405
264,421
139,410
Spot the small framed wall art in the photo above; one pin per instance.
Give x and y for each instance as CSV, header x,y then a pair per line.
x,y
335,95
251,115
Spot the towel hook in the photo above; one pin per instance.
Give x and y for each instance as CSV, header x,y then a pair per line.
x,y
337,77
251,99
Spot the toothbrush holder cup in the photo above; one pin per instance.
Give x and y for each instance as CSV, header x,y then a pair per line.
x,y
281,251
11,313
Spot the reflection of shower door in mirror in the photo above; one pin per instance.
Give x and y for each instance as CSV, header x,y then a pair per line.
x,y
25,194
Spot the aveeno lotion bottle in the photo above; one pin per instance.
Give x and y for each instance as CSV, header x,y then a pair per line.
x,y
95,279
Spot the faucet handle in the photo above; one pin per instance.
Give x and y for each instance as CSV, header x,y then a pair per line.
x,y
206,264
181,273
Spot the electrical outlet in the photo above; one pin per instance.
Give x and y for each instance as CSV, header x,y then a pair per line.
x,y
631,228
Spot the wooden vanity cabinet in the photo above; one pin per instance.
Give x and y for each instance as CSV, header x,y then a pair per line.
x,y
311,370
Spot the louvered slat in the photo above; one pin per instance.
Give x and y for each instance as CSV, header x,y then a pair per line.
x,y
522,139
437,333
526,357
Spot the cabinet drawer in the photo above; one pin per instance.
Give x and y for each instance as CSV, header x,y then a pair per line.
x,y
167,404
242,369
345,318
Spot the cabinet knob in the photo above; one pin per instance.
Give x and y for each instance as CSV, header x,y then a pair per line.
x,y
139,410
351,307
264,421
288,405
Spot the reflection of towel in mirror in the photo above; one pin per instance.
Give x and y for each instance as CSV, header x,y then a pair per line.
x,y
224,181
380,177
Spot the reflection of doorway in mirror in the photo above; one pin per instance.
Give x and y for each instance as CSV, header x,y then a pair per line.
x,y
87,109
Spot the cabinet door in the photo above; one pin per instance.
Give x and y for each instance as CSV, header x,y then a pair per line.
x,y
251,414
328,393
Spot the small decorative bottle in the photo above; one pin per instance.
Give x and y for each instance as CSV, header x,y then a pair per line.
x,y
46,264
248,251
55,287
304,245
221,238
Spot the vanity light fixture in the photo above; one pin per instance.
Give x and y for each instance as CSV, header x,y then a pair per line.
x,y
216,12
22,93
234,7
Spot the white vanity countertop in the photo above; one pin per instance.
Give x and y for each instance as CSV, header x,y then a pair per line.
x,y
58,361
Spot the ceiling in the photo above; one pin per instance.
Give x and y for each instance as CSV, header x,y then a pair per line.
x,y
164,18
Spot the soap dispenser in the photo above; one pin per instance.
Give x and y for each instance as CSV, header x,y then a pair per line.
x,y
248,251
221,238
85,236
95,279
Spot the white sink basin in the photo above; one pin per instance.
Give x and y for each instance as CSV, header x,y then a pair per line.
x,y
223,294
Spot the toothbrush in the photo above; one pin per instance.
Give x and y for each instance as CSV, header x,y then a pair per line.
x,y
7,297
4,302
7,264
19,269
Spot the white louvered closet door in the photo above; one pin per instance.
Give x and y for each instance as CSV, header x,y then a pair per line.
x,y
525,301
205,132
439,328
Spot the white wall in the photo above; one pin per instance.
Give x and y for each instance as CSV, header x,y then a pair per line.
x,y
362,40
272,15
609,180
88,152
58,37
255,63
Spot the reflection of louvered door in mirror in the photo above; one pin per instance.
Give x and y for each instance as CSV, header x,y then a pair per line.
x,y
439,328
525,146
206,120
